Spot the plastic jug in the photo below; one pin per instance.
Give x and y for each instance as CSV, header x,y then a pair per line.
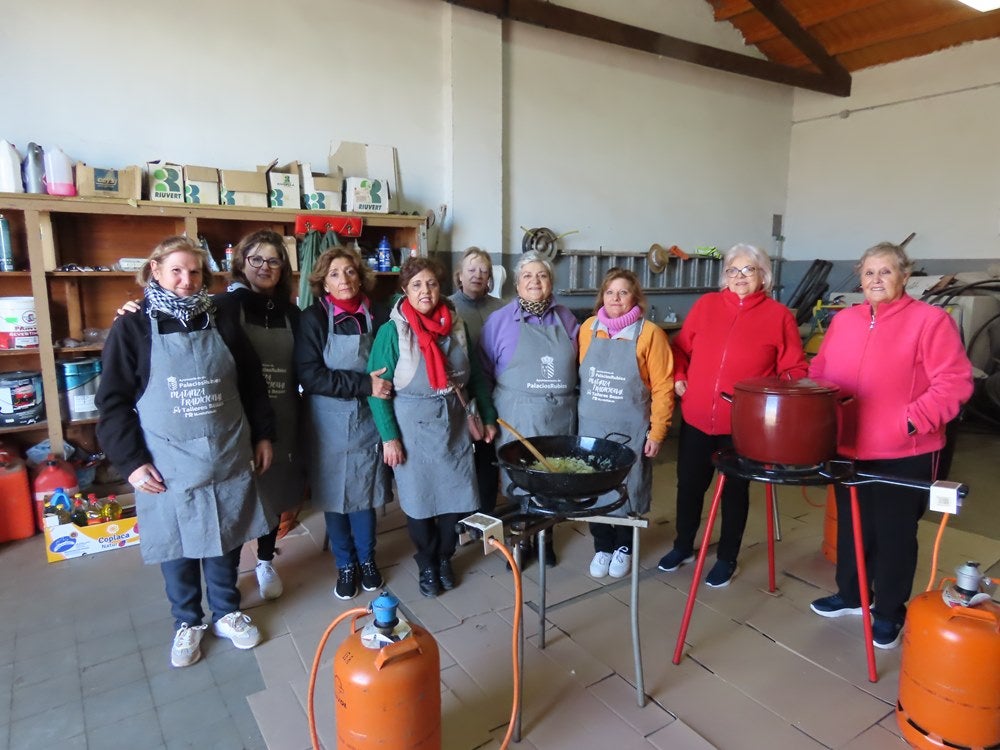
x,y
10,169
58,173
33,169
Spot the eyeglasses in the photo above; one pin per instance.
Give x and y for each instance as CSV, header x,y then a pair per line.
x,y
258,260
745,271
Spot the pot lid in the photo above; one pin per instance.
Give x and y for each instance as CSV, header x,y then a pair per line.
x,y
800,387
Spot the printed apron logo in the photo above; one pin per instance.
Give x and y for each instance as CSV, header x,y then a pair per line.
x,y
194,397
548,366
605,386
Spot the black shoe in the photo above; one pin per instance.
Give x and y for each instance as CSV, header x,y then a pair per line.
x,y
834,606
674,559
371,578
721,574
347,583
429,582
446,575
886,633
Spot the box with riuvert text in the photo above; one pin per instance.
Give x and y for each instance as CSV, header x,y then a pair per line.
x,y
165,181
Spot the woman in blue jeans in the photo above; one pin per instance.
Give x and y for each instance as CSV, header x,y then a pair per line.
x,y
348,477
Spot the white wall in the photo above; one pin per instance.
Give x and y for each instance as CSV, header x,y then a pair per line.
x,y
508,124
917,153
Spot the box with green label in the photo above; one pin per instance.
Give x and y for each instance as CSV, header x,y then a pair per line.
x,y
282,184
201,185
321,192
165,181
238,188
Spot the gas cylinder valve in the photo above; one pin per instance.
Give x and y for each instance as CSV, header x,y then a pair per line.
x,y
970,587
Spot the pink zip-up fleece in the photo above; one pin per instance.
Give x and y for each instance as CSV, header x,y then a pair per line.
x,y
904,363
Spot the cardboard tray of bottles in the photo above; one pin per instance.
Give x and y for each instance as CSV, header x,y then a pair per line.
x,y
67,540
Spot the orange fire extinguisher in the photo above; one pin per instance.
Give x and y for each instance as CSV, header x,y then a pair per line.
x,y
949,681
386,682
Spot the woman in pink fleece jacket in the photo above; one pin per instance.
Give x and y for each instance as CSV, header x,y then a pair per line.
x,y
903,362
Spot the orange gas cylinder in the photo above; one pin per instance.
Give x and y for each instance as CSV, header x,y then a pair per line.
x,y
17,518
949,680
387,685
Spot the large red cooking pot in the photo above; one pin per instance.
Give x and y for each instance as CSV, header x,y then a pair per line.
x,y
786,422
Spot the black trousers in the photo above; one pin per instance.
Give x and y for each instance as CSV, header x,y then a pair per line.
x,y
266,545
889,517
694,476
609,537
487,474
435,538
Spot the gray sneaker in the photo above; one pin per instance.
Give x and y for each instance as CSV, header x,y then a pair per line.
x,y
238,628
187,645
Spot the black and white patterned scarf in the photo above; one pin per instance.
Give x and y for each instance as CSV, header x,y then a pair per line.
x,y
182,308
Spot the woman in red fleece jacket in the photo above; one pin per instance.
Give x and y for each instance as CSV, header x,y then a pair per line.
x,y
904,363
734,334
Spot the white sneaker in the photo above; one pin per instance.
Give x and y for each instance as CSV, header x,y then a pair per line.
x,y
187,645
268,580
621,563
238,628
599,565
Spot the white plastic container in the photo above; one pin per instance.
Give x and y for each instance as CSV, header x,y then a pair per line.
x,y
58,173
18,329
10,169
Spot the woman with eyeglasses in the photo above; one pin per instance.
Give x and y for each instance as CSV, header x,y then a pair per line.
x,y
261,289
348,477
626,386
737,333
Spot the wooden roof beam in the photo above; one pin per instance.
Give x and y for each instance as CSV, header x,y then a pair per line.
x,y
786,23
578,23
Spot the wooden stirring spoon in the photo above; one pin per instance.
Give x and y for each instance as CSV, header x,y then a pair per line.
x,y
527,444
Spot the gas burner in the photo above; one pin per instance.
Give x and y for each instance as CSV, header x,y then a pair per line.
x,y
561,507
749,464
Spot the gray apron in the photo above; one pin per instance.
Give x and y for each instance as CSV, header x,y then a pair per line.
x,y
281,486
439,475
613,398
194,427
346,473
536,393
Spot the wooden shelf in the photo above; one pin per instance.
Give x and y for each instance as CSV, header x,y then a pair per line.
x,y
11,428
76,422
51,231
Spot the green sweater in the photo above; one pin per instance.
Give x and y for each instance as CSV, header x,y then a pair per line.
x,y
385,353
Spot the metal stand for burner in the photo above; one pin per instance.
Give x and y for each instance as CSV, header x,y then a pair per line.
x,y
840,472
536,514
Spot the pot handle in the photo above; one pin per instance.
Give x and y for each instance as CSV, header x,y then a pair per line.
x,y
726,396
626,441
844,400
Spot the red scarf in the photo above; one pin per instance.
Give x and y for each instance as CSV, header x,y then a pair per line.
x,y
349,306
428,329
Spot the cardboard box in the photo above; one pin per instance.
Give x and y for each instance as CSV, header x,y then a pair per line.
x,y
166,181
321,192
366,160
366,194
282,184
66,541
242,188
201,185
95,182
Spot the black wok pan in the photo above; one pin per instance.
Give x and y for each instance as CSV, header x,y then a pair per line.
x,y
610,459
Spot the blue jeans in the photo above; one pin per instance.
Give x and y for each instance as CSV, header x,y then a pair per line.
x,y
352,536
182,578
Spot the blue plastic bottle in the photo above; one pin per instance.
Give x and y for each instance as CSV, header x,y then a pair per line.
x,y
384,256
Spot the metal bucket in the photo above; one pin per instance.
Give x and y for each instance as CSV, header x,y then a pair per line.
x,y
78,380
21,398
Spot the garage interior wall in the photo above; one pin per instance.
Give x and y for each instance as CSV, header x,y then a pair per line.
x,y
513,126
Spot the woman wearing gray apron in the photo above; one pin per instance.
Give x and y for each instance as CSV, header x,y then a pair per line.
x,y
348,477
424,352
626,386
528,350
262,289
186,417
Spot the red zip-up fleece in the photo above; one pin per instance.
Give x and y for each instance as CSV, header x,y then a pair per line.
x,y
905,362
725,340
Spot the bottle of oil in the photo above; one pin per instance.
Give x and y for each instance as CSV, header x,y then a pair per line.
x,y
111,510
79,514
93,509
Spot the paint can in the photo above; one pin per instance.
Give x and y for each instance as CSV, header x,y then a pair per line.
x,y
18,329
78,380
21,397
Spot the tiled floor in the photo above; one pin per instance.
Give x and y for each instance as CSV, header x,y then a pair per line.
x,y
84,645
